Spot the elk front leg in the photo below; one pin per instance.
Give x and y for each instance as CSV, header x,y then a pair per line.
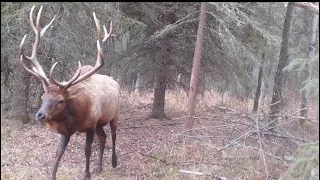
x,y
64,140
89,140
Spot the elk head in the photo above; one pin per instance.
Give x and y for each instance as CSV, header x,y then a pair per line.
x,y
56,95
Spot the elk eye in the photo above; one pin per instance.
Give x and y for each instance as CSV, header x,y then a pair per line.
x,y
60,101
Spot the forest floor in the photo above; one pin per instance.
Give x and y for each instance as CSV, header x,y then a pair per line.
x,y
223,143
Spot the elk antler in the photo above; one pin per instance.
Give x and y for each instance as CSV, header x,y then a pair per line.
x,y
36,69
99,63
64,85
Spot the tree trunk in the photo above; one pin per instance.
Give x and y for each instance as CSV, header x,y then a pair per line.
x,y
277,98
304,98
194,81
164,61
163,57
266,89
159,92
141,83
258,91
19,102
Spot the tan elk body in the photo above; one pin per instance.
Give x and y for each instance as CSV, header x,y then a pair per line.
x,y
92,102
86,103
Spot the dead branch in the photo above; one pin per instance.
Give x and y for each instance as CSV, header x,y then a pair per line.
x,y
201,137
182,133
304,118
265,129
234,141
203,174
286,137
224,108
261,149
236,123
308,6
285,96
211,164
194,117
285,158
156,125
154,157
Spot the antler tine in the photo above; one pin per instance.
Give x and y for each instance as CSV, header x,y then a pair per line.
x,y
31,19
36,30
64,85
27,69
21,49
106,34
98,27
47,26
33,59
98,65
38,19
34,72
22,57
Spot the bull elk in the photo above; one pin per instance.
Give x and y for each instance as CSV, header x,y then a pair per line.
x,y
85,103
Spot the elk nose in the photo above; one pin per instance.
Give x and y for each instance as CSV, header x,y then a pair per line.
x,y
40,116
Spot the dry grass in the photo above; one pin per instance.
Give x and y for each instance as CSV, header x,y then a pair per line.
x,y
154,149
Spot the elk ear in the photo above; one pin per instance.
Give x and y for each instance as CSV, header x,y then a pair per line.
x,y
76,92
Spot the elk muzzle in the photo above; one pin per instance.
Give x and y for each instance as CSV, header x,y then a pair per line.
x,y
40,116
